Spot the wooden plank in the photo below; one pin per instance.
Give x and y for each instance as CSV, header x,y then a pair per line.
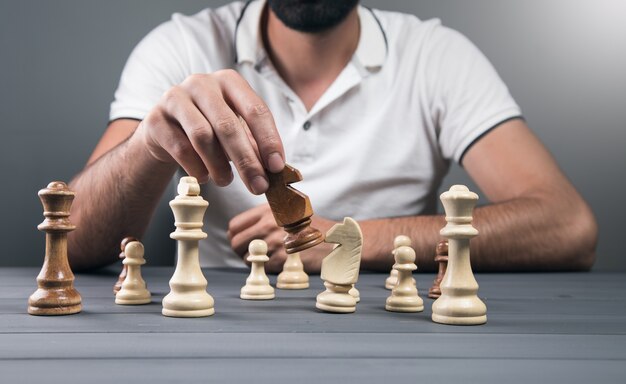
x,y
314,371
592,306
272,320
310,345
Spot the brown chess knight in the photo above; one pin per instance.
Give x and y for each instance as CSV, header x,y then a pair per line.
x,y
292,210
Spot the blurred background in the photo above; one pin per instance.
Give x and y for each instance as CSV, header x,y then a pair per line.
x,y
60,62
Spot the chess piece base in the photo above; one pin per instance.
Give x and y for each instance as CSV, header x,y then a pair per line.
x,y
292,280
191,313
54,303
336,302
55,311
285,285
451,320
244,296
296,246
300,236
404,304
197,305
133,301
469,310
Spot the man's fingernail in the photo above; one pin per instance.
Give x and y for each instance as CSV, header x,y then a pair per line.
x,y
275,162
259,185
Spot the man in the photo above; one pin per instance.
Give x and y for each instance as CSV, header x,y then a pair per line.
x,y
371,105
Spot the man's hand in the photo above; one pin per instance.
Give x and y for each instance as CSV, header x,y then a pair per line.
x,y
259,223
196,124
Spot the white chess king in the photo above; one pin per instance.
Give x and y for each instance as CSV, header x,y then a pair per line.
x,y
459,303
188,296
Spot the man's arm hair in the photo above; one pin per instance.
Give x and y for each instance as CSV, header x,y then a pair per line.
x,y
537,220
116,195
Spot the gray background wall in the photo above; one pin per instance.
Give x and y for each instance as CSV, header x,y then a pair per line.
x,y
564,61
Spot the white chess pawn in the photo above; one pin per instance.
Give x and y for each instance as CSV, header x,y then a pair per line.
x,y
398,242
133,290
257,284
188,296
404,296
293,275
459,303
340,269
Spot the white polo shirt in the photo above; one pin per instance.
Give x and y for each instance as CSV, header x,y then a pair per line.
x,y
377,143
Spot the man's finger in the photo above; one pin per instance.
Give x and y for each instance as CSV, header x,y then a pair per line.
x,y
239,94
169,136
204,141
235,142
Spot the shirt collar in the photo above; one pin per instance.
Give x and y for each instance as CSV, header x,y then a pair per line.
x,y
370,52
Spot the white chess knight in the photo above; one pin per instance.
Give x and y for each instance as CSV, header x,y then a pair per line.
x,y
257,284
188,296
340,269
404,296
133,290
459,303
293,275
355,293
399,241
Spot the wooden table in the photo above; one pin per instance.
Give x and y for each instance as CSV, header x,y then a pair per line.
x,y
541,328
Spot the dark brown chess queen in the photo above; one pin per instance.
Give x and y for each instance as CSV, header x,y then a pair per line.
x,y
56,294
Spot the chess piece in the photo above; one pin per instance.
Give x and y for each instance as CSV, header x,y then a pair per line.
x,y
404,296
55,294
257,284
293,275
292,210
122,276
188,296
459,303
441,257
398,242
133,290
340,269
355,293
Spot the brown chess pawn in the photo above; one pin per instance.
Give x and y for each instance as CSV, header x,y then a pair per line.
x,y
292,210
120,279
441,257
56,294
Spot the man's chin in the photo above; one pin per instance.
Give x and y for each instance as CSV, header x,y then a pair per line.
x,y
312,16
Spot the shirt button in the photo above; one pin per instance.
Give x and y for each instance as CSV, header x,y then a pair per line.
x,y
306,126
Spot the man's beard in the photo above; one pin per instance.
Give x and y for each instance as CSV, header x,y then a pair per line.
x,y
312,16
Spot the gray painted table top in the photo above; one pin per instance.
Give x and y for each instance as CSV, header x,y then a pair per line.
x,y
556,328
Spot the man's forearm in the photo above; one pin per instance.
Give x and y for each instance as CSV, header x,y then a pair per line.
x,y
531,233
115,197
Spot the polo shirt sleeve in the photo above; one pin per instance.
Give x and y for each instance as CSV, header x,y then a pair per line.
x,y
470,98
156,64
